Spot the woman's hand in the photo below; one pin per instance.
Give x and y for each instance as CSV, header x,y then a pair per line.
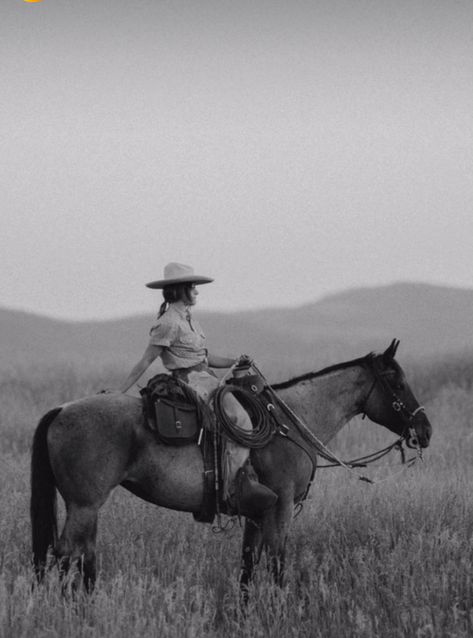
x,y
244,361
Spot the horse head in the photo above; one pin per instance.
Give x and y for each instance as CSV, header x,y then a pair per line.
x,y
391,402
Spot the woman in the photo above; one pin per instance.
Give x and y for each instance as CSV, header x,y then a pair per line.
x,y
180,343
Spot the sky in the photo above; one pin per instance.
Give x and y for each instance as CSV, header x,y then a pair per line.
x,y
289,149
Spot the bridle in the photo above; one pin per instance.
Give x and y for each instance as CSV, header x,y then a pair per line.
x,y
313,447
397,404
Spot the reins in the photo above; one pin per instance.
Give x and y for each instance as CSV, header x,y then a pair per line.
x,y
363,461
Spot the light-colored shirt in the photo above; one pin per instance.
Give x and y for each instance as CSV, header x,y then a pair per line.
x,y
181,338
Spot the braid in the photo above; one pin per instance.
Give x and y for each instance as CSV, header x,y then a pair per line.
x,y
162,308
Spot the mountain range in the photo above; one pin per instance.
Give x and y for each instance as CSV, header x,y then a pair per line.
x,y
429,320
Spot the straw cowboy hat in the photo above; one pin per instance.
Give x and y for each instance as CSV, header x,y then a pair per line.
x,y
175,273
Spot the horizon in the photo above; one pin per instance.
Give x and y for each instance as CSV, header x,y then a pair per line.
x,y
200,309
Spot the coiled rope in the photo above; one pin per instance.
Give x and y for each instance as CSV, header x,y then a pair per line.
x,y
263,428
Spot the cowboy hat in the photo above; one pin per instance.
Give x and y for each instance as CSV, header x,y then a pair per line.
x,y
175,273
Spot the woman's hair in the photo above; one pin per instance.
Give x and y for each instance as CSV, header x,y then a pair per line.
x,y
173,293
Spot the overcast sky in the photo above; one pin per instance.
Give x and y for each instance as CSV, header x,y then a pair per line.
x,y
288,149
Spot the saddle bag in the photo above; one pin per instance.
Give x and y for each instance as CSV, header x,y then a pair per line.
x,y
176,423
172,410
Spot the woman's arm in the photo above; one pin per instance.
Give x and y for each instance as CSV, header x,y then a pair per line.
x,y
220,362
150,354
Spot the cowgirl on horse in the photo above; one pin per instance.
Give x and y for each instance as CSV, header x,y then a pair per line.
x,y
179,341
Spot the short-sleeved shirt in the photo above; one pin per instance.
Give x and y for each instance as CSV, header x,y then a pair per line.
x,y
181,338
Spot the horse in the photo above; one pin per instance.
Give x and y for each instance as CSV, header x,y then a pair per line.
x,y
86,448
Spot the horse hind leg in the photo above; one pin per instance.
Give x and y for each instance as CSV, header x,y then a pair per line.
x,y
75,548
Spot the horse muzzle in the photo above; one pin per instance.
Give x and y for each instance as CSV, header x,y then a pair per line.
x,y
420,430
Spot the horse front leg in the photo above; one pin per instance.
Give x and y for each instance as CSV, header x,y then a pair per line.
x,y
251,553
276,529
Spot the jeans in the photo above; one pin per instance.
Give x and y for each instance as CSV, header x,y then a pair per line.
x,y
203,382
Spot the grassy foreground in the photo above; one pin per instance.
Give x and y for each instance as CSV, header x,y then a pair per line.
x,y
384,560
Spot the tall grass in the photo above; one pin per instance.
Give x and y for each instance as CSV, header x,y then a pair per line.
x,y
391,559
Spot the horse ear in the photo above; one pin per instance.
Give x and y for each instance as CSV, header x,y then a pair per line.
x,y
390,352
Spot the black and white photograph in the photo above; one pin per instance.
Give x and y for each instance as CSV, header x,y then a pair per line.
x,y
236,319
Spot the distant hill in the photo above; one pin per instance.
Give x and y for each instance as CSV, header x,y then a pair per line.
x,y
427,319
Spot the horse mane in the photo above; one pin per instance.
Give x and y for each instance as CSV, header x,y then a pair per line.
x,y
320,373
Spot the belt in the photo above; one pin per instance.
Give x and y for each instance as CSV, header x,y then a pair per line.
x,y
183,373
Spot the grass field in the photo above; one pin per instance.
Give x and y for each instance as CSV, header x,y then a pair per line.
x,y
385,560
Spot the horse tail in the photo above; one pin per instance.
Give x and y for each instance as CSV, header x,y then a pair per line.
x,y
43,495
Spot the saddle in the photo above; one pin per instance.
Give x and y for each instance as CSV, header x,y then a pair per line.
x,y
176,414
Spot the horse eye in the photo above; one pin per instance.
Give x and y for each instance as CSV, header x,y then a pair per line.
x,y
401,386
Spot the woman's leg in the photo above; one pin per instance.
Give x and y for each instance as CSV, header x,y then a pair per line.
x,y
235,455
241,489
